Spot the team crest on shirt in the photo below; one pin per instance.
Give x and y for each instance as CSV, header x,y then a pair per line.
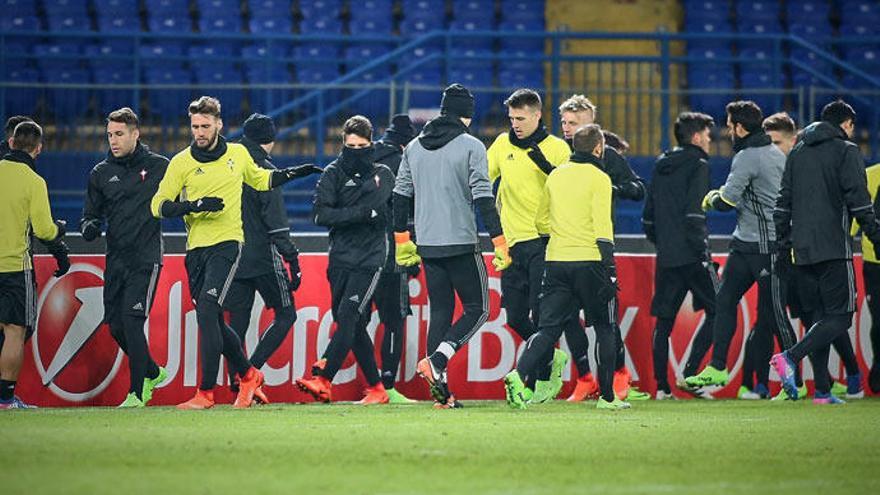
x,y
510,156
231,164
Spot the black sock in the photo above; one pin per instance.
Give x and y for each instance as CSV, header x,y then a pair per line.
x,y
7,390
607,349
274,336
137,352
661,352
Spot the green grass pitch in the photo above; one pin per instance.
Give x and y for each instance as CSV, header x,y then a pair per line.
x,y
684,447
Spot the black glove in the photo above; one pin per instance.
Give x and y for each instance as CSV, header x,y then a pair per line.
x,y
59,251
295,271
413,271
290,173
90,230
62,228
609,288
208,203
540,160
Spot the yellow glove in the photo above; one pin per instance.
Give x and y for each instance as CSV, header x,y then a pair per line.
x,y
710,198
502,258
405,251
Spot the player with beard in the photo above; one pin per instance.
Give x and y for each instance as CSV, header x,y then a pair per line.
x,y
203,184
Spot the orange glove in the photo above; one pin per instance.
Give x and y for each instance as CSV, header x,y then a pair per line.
x,y
502,258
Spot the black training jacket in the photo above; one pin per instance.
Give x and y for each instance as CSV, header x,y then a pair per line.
x,y
823,188
119,192
673,218
344,202
264,219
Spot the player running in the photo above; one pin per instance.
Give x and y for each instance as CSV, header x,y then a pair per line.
x,y
445,171
119,192
203,184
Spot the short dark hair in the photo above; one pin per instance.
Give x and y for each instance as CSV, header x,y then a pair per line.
x,y
27,136
524,97
125,116
12,123
780,122
837,112
205,105
586,138
689,123
359,126
747,113
615,141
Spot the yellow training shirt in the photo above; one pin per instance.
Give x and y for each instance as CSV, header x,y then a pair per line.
x,y
190,179
24,205
868,253
521,183
576,209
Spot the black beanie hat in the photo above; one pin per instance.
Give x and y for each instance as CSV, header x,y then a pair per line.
x,y
401,131
259,128
457,101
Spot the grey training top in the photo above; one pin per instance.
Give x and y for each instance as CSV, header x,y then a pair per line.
x,y
445,183
753,186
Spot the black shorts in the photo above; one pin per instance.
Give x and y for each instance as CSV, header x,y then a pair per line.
x,y
274,288
18,299
575,284
671,285
129,289
521,281
211,270
828,288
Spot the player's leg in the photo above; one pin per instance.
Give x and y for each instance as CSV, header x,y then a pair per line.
x,y
871,274
138,294
588,283
275,290
515,300
238,304
836,282
17,314
364,352
669,292
441,301
579,345
844,348
392,303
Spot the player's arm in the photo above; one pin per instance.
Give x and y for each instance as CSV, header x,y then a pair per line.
x,y
854,186
166,202
625,184
481,190
401,200
730,194
326,210
494,162
600,209
542,218
782,211
48,231
274,218
648,216
93,209
695,218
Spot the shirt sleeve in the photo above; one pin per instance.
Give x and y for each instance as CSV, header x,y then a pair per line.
x,y
741,174
601,210
494,164
403,184
542,219
169,188
255,176
478,169
40,213
93,209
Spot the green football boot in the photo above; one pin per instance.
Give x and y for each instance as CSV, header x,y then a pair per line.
x,y
395,397
150,384
708,377
514,390
615,405
131,401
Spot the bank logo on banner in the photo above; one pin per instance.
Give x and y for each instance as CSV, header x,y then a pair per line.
x,y
76,360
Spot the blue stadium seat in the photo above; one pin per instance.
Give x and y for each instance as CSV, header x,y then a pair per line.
x,y
864,105
62,54
374,103
513,43
371,26
260,57
720,81
422,53
118,24
429,96
65,23
757,10
859,29
317,74
266,8
801,77
752,81
232,7
486,24
170,7
364,10
476,10
521,60
76,8
867,11
221,25
210,55
112,99
361,53
230,98
116,7
317,51
320,9
20,23
17,8
710,27
708,59
271,25
807,11
472,58
321,25
419,26
170,24
864,56
157,55
759,29
475,80
698,11
99,54
512,79
167,106
67,103
265,100
518,10
811,30
22,100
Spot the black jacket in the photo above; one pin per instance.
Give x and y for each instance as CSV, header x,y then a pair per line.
x,y
120,191
344,203
266,229
824,186
673,218
625,184
389,154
